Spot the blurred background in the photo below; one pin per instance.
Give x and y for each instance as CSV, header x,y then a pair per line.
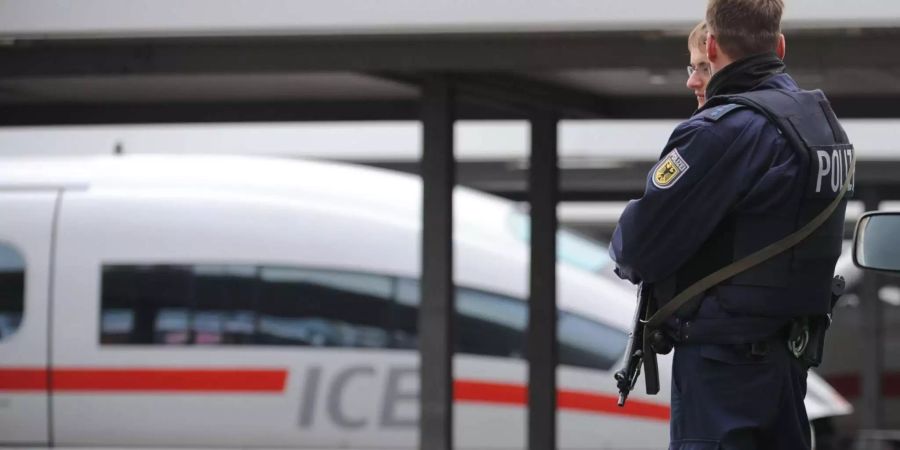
x,y
154,150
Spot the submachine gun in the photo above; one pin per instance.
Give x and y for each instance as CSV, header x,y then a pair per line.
x,y
641,350
807,341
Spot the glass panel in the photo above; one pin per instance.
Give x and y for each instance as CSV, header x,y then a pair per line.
x,y
225,298
145,304
486,324
236,304
324,309
117,305
494,325
246,305
404,315
878,243
586,343
489,324
571,248
12,290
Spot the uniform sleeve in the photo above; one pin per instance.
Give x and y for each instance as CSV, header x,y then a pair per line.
x,y
689,191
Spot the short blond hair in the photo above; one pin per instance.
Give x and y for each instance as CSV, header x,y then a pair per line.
x,y
697,38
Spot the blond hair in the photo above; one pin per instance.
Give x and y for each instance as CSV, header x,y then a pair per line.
x,y
697,38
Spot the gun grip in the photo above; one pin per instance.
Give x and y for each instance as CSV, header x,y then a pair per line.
x,y
651,368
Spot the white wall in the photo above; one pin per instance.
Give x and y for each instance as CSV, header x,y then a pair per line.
x,y
582,143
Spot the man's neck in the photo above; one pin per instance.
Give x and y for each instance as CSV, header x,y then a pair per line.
x,y
744,74
722,62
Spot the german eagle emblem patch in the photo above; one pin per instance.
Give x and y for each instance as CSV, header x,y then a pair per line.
x,y
669,170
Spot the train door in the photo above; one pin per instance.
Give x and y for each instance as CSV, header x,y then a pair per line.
x,y
26,236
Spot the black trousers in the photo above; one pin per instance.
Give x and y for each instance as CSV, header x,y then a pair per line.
x,y
724,397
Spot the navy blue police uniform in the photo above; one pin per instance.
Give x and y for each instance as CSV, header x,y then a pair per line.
x,y
730,181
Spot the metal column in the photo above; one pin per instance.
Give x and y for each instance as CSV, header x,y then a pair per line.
x,y
872,340
542,313
435,322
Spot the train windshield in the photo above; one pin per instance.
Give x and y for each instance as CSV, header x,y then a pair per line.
x,y
572,248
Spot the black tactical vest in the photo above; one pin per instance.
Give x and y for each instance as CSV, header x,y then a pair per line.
x,y
798,281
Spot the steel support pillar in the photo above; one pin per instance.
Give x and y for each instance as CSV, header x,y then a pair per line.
x,y
872,332
435,321
542,314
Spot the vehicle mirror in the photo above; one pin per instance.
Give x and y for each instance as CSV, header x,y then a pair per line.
x,y
876,243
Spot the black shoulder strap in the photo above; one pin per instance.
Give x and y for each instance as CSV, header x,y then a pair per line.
x,y
797,115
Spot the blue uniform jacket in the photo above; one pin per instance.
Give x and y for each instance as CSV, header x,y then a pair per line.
x,y
723,161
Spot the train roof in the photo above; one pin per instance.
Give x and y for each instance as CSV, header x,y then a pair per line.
x,y
371,188
480,218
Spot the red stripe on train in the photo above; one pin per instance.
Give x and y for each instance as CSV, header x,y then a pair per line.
x,y
512,394
272,381
850,385
172,380
23,379
155,380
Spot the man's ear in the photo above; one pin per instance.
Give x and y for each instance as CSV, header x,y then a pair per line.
x,y
781,48
712,52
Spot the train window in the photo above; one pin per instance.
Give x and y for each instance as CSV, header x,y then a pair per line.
x,y
572,248
12,290
486,324
494,325
587,343
489,324
404,314
146,304
258,305
225,299
243,305
318,308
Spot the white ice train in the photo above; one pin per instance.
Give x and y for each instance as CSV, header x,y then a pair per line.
x,y
173,301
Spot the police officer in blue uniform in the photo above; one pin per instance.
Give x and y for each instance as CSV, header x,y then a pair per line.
x,y
758,162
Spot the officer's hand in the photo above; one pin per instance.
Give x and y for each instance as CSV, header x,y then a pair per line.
x,y
627,275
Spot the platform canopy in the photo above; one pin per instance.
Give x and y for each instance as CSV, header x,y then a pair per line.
x,y
108,61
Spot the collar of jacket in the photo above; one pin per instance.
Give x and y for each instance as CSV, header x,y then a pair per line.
x,y
744,74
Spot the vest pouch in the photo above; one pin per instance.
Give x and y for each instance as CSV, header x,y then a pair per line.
x,y
746,300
